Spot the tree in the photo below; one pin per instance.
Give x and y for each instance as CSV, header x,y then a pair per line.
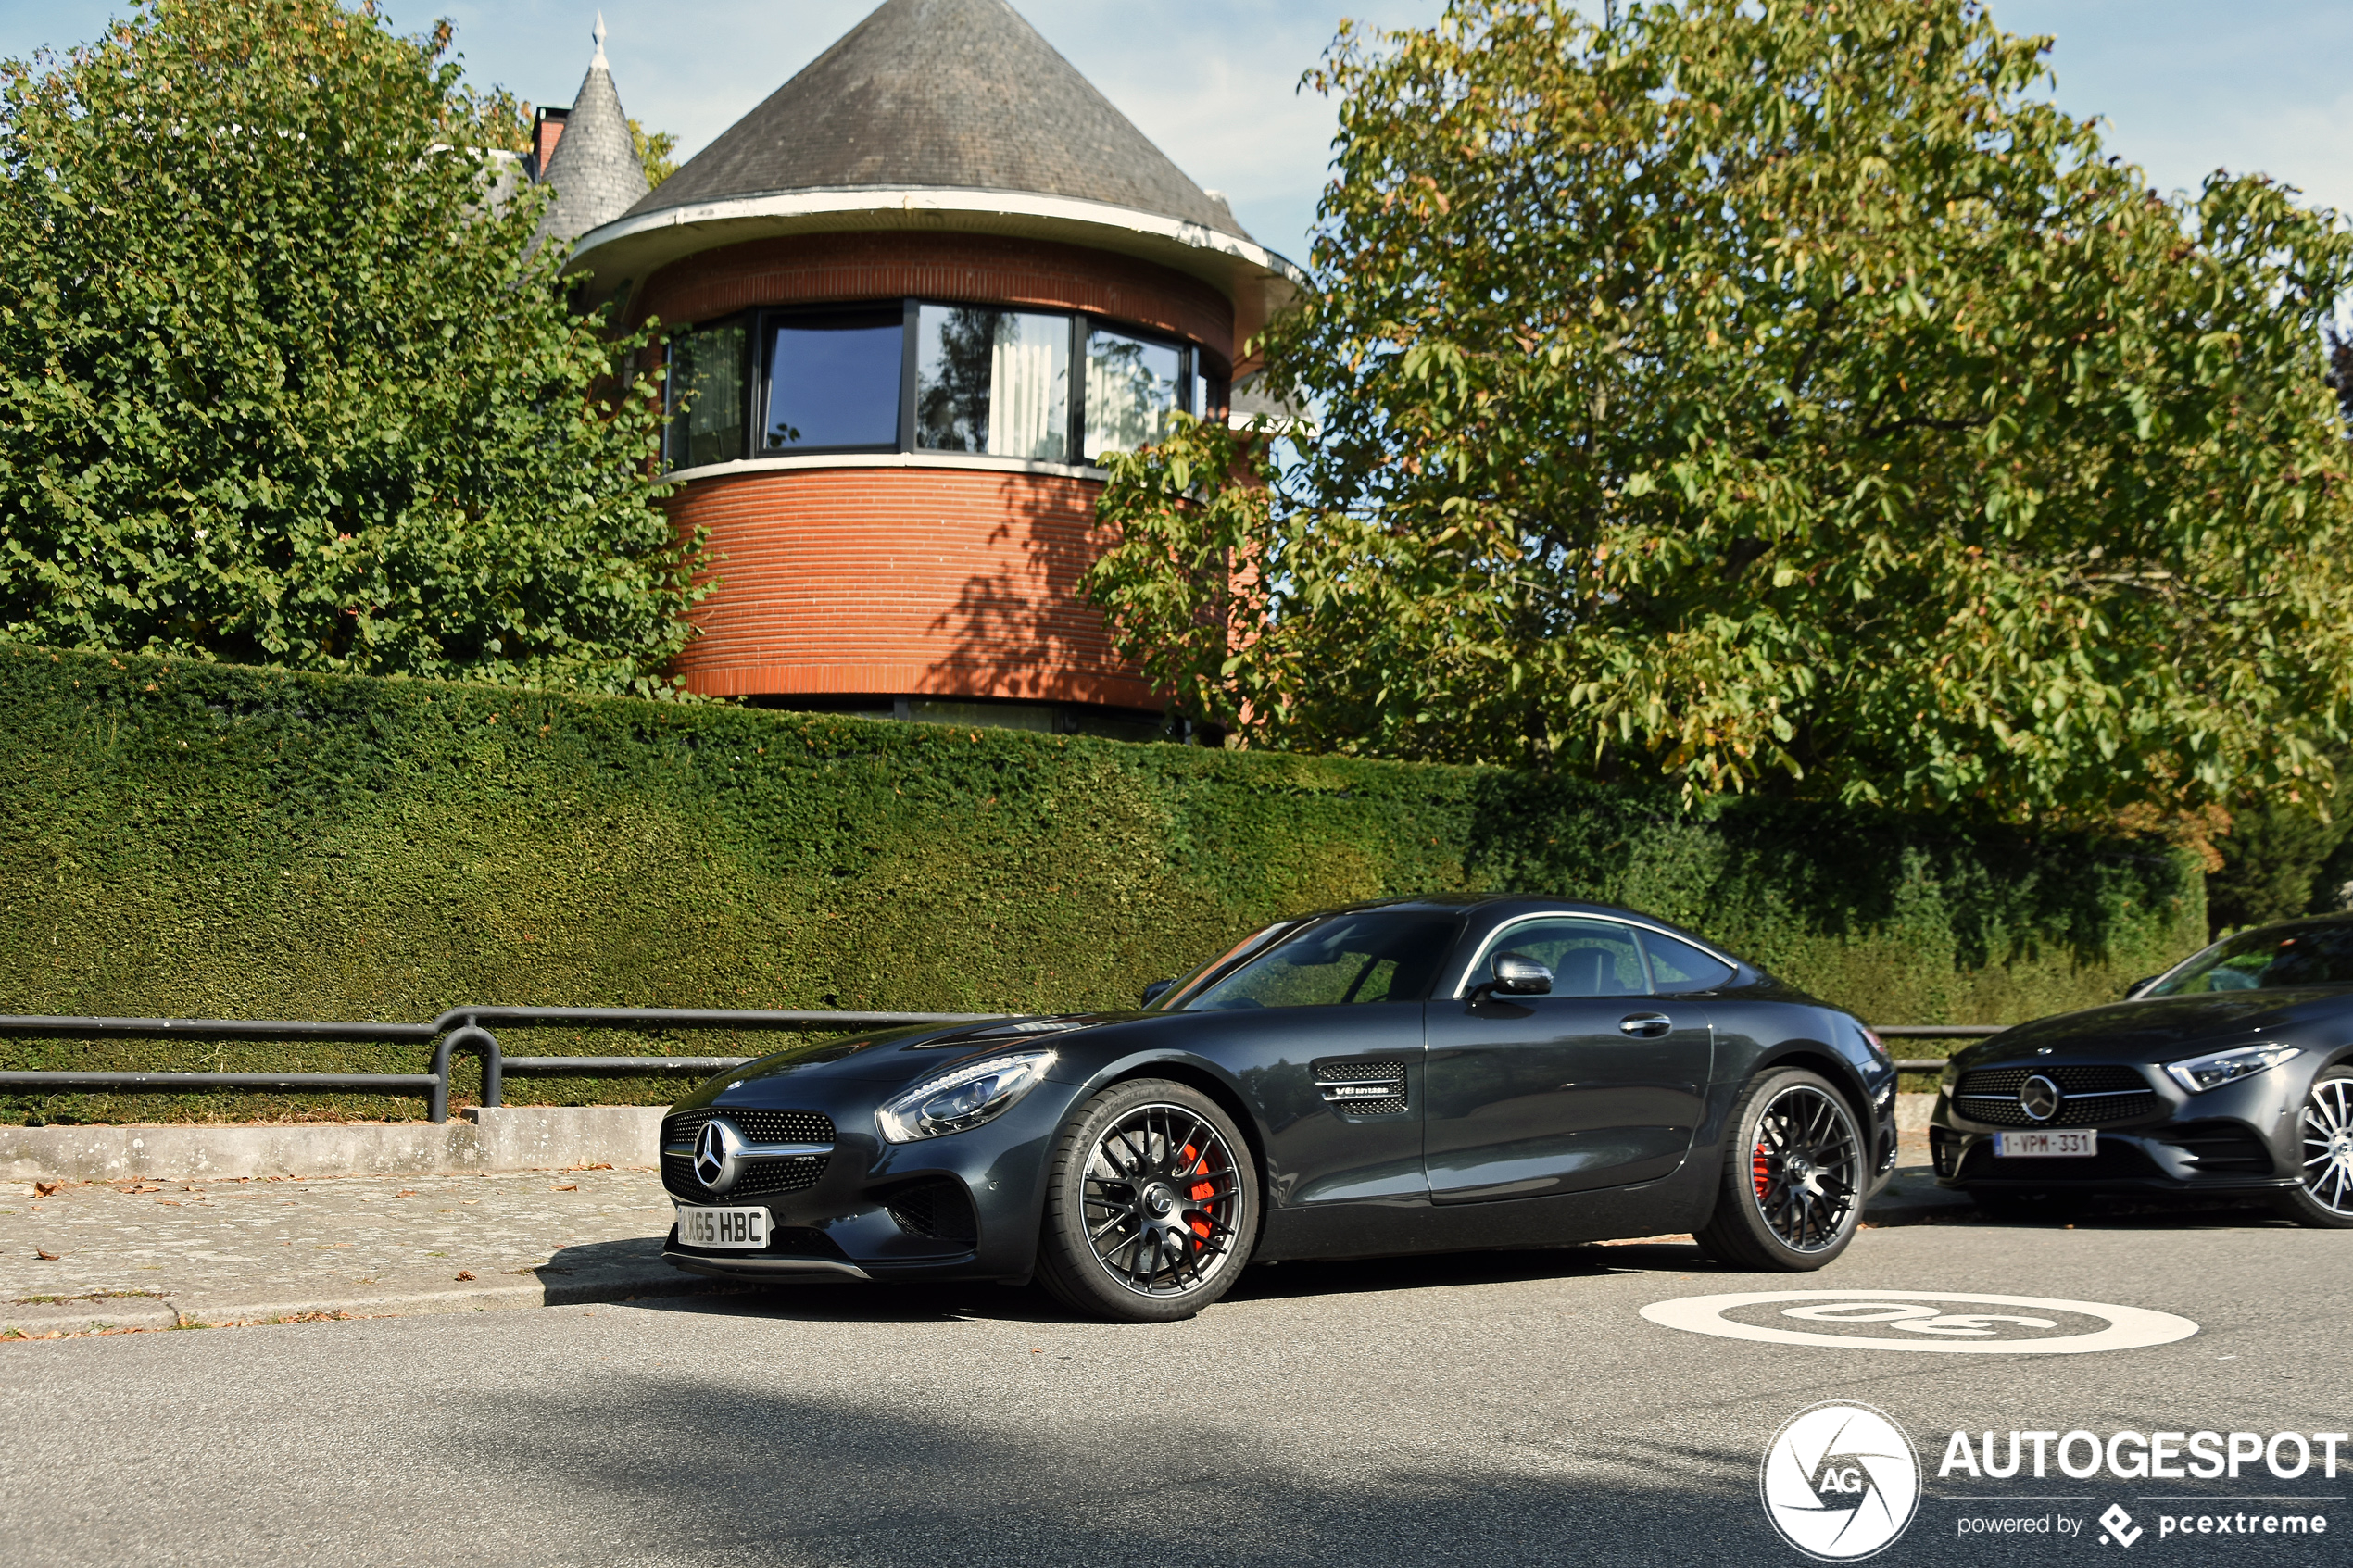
x,y
277,385
1771,396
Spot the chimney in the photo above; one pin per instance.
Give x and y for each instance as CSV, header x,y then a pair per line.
x,y
546,130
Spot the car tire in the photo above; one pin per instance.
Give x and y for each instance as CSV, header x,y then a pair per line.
x,y
1159,1172
1794,1176
2323,1199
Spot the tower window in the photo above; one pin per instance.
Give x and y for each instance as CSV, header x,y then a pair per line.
x,y
833,382
993,381
1039,386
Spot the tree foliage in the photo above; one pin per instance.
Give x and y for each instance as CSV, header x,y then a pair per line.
x,y
1775,395
279,385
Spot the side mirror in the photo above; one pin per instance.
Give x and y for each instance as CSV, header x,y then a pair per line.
x,y
1516,975
1156,990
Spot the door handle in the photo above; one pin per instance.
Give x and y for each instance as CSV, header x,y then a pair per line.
x,y
1645,1025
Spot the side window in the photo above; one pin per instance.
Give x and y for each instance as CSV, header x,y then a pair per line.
x,y
1677,967
1588,958
833,381
706,396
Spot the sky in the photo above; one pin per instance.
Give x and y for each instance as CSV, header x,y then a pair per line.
x,y
2187,85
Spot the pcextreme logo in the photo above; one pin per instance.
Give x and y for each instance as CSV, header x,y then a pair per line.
x,y
1840,1481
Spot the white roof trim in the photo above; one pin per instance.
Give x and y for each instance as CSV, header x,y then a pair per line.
x,y
780,208
975,461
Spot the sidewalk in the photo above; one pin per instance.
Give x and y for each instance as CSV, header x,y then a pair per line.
x,y
84,1257
88,1257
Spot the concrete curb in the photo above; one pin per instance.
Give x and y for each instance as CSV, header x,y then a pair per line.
x,y
509,1139
99,1314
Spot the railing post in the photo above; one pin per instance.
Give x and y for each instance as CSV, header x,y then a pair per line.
x,y
469,1037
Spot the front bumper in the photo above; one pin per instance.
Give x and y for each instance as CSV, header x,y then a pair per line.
x,y
2236,1139
965,1206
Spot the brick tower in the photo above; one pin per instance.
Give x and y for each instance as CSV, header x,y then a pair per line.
x,y
911,299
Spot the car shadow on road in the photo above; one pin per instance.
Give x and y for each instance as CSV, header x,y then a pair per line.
x,y
591,1272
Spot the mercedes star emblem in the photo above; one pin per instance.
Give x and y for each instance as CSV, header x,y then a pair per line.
x,y
715,1148
2039,1097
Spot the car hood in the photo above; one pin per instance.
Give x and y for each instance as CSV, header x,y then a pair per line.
x,y
897,1055
2163,1026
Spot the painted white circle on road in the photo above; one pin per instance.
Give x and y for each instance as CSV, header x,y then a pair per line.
x,y
1930,1319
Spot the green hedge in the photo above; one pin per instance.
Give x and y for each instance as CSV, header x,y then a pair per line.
x,y
192,839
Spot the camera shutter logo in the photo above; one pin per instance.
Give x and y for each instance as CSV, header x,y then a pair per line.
x,y
1840,1481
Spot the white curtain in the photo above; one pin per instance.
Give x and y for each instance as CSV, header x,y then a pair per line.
x,y
1029,388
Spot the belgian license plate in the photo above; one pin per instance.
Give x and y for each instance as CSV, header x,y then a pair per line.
x,y
2045,1146
741,1229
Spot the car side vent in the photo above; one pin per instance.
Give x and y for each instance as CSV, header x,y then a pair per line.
x,y
1362,1088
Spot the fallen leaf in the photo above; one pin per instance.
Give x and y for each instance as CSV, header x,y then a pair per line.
x,y
465,1274
404,1195
573,1187
44,1189
45,1256
606,1165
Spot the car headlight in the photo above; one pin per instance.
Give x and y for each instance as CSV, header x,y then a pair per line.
x,y
1950,1077
2203,1073
970,1094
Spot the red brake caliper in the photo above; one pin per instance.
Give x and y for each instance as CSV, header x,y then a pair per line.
x,y
1200,1190
1761,1165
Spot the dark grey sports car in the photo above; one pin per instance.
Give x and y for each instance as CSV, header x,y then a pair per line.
x,y
1410,1076
2230,1074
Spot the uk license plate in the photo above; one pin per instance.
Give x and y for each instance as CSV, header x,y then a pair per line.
x,y
738,1229
2045,1146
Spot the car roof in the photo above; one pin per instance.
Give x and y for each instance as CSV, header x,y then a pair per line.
x,y
1504,904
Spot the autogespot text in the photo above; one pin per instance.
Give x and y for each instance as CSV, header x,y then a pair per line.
x,y
2137,1456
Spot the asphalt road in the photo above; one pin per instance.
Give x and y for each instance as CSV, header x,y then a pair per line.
x,y
1491,1409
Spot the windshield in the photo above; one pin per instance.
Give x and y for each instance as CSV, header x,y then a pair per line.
x,y
1379,956
1173,999
2270,959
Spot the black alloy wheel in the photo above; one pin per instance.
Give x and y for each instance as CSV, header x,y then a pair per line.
x,y
1794,1176
2323,1197
1151,1204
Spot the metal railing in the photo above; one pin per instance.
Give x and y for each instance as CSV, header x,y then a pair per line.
x,y
455,1031
463,1030
1931,1032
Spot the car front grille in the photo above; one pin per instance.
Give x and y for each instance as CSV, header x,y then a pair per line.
x,y
756,1126
2092,1095
756,1178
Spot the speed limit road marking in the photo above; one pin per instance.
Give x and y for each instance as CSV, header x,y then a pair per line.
x,y
1934,1320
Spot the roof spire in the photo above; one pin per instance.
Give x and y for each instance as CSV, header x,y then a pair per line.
x,y
595,167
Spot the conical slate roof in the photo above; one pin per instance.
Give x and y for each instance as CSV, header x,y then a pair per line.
x,y
595,167
958,95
